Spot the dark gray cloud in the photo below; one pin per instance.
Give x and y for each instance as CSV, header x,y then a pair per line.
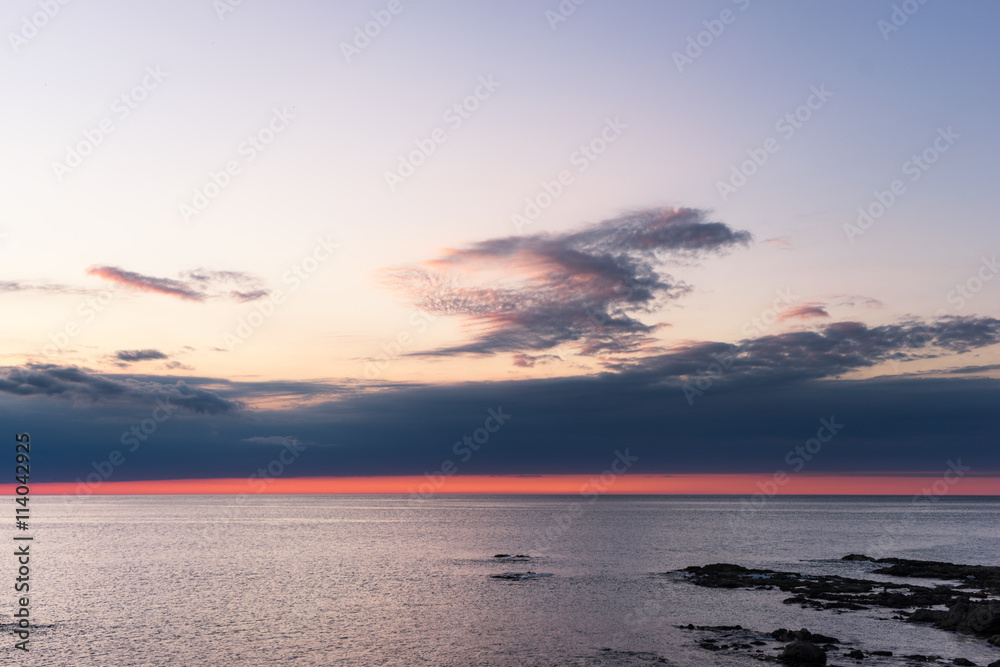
x,y
558,425
197,285
767,401
530,360
75,383
130,356
832,351
528,294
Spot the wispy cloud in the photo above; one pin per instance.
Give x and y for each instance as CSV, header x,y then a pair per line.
x,y
528,294
779,242
803,312
47,288
197,285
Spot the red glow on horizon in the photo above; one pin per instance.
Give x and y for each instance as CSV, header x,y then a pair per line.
x,y
694,484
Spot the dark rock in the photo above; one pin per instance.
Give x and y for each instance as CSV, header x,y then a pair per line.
x,y
975,618
802,653
986,577
826,591
963,661
970,602
995,663
926,616
502,556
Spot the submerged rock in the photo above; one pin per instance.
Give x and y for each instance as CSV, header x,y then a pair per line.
x,y
518,575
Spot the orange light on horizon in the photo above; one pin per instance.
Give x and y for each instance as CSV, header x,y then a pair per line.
x,y
908,484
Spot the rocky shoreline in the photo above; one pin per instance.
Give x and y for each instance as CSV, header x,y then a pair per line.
x,y
968,606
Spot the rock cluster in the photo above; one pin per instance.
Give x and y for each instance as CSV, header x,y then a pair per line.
x,y
969,607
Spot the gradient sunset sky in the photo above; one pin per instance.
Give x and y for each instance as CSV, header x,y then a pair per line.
x,y
501,241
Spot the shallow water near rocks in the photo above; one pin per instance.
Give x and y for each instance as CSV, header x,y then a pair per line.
x,y
381,580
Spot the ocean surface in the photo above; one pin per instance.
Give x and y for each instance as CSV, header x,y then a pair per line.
x,y
385,580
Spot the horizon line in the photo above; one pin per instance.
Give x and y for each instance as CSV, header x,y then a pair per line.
x,y
961,483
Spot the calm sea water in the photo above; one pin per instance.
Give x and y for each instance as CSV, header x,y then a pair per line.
x,y
382,580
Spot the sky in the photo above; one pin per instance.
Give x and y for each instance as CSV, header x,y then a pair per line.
x,y
734,246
